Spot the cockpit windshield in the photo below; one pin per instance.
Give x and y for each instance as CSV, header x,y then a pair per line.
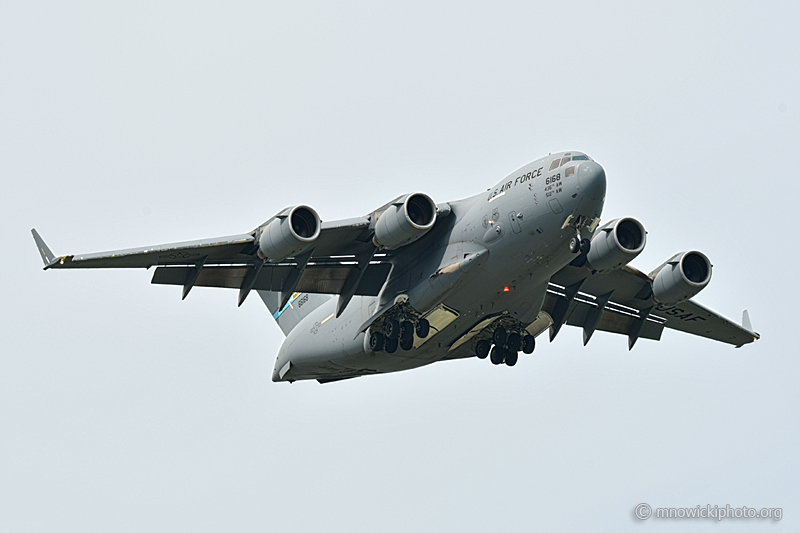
x,y
557,162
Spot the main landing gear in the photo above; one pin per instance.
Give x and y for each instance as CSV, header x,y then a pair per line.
x,y
506,346
396,333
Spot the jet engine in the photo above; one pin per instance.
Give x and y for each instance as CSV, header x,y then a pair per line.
x,y
289,233
405,220
616,243
681,277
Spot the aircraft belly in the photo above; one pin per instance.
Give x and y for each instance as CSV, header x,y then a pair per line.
x,y
509,277
325,347
319,339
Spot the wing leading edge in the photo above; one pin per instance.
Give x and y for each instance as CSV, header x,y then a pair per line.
x,y
235,248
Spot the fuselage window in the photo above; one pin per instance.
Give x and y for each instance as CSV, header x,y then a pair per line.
x,y
554,164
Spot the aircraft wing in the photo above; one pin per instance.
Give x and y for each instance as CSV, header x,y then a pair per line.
x,y
337,238
621,301
343,251
221,250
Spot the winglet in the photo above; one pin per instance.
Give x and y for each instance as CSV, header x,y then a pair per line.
x,y
47,255
746,324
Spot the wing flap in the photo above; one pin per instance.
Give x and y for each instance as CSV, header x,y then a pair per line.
x,y
626,282
613,319
632,294
328,279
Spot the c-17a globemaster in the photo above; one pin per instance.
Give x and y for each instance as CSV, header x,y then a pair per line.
x,y
414,282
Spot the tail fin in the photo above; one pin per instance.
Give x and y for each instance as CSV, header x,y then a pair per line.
x,y
296,309
44,251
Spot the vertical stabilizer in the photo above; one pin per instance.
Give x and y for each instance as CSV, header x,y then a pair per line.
x,y
44,251
298,307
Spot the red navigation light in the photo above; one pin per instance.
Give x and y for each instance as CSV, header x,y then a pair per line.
x,y
506,289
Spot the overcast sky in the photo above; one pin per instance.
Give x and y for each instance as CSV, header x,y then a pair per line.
x,y
123,124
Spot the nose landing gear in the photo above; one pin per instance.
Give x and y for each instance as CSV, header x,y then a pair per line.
x,y
576,244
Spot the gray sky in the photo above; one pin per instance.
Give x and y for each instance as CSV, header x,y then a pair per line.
x,y
123,408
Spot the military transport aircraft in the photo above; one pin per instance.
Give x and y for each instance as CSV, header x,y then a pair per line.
x,y
414,282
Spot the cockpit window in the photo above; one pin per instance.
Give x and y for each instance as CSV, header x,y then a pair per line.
x,y
566,159
569,171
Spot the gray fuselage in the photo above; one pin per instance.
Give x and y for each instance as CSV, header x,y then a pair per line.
x,y
518,229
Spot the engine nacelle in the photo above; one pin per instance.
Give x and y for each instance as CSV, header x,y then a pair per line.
x,y
616,244
289,233
404,221
681,277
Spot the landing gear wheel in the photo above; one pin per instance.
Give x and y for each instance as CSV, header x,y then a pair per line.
x,y
376,341
574,245
497,356
391,329
406,330
585,245
499,336
511,358
528,344
482,349
407,340
391,345
406,335
423,328
514,342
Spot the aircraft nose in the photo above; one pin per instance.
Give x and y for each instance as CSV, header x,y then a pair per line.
x,y
592,180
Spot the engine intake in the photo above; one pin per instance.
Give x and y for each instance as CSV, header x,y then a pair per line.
x,y
289,233
404,221
616,244
681,277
